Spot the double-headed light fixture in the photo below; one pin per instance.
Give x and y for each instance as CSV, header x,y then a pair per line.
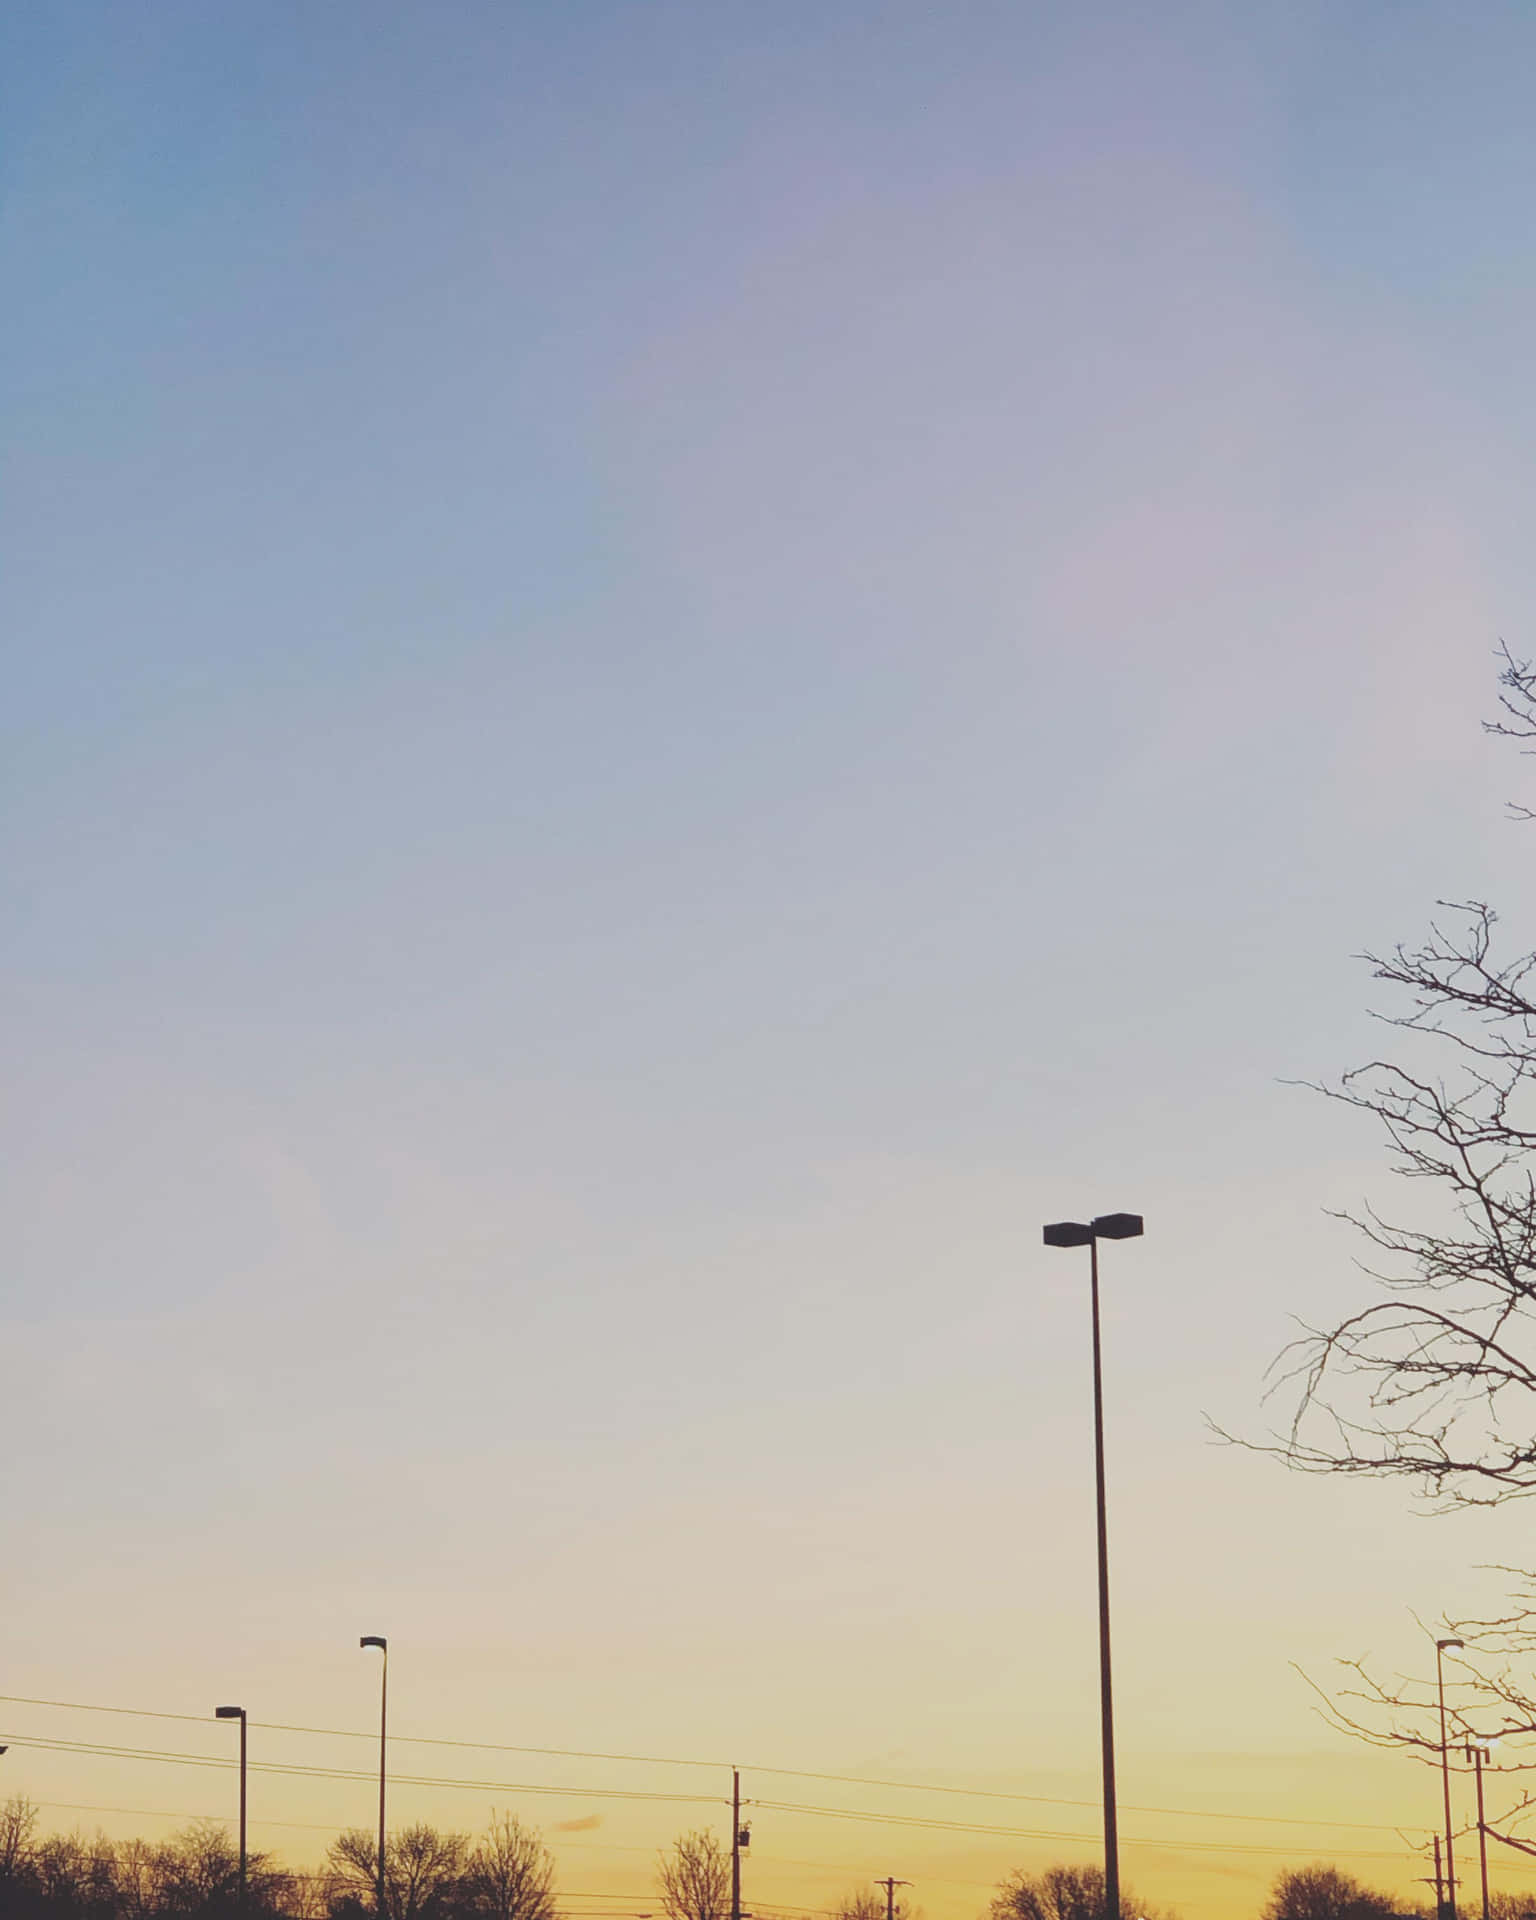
x,y
1088,1233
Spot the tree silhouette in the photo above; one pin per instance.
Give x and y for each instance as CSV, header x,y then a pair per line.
x,y
1433,1381
1062,1893
694,1879
1321,1892
422,1869
510,1874
865,1903
1436,1381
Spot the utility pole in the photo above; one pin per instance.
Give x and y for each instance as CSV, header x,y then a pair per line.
x,y
890,1886
735,1843
1439,1883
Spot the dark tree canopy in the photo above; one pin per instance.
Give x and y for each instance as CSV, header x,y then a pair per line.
x,y
1323,1893
508,1874
1061,1893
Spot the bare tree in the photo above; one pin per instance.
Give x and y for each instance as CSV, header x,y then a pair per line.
x,y
18,1829
1435,1382
865,1904
421,1873
1062,1893
694,1879
510,1875
1488,1699
1323,1893
198,1869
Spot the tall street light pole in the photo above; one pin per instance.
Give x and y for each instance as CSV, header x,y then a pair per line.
x,y
237,1713
1477,1751
378,1640
1075,1233
1442,1647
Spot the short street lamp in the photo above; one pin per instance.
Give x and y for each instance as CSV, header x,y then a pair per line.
x,y
238,1713
1443,1647
1075,1233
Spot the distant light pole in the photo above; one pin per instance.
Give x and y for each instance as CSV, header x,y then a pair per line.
x,y
237,1713
378,1640
1477,1751
1442,1647
1074,1233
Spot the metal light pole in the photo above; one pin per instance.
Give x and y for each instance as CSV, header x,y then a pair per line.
x,y
378,1640
238,1713
1477,1751
1442,1647
1074,1233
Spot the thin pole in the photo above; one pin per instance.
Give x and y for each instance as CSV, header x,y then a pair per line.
x,y
378,1640
890,1883
1445,1782
1106,1694
242,1812
1439,1880
735,1843
383,1752
1482,1829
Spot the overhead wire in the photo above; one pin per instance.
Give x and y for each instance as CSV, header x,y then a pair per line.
x,y
1036,1833
800,1773
100,1750
920,1822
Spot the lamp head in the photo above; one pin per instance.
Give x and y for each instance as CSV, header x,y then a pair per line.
x,y
229,1713
1068,1233
1118,1226
1444,1646
374,1640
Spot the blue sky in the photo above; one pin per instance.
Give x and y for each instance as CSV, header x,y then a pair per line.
x,y
670,671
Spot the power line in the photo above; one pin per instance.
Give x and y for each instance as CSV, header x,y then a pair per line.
x,y
167,1813
413,1739
673,1760
922,1822
97,1750
1033,1833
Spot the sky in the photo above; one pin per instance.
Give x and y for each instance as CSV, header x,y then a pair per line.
x,y
670,672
